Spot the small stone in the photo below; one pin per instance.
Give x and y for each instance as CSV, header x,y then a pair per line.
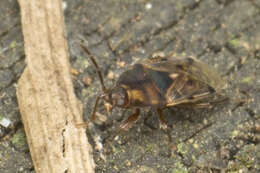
x,y
195,145
121,63
128,163
64,5
5,122
205,121
87,80
110,75
148,6
74,71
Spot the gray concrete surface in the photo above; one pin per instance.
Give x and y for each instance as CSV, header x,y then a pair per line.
x,y
222,33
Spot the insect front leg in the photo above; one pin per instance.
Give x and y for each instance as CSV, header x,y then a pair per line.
x,y
130,121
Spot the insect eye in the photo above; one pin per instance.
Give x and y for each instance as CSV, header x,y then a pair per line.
x,y
118,97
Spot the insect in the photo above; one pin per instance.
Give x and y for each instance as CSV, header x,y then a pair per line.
x,y
160,82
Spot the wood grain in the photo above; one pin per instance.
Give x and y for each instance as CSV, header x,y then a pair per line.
x,y
47,103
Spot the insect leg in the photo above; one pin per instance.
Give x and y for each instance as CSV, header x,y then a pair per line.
x,y
129,122
162,121
202,105
93,115
190,99
212,103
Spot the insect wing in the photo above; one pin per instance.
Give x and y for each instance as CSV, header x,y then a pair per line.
x,y
187,66
191,80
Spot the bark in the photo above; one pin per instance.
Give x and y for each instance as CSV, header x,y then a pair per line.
x,y
48,106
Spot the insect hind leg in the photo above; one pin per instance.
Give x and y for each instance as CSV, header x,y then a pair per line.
x,y
130,121
162,122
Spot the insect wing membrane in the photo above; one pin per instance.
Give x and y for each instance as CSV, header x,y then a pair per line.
x,y
194,69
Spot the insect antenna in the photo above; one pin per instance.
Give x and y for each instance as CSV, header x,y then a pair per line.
x,y
96,65
93,115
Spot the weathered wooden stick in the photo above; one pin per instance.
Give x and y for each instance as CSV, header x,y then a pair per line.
x,y
47,103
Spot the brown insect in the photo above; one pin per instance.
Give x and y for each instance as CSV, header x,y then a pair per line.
x,y
160,82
